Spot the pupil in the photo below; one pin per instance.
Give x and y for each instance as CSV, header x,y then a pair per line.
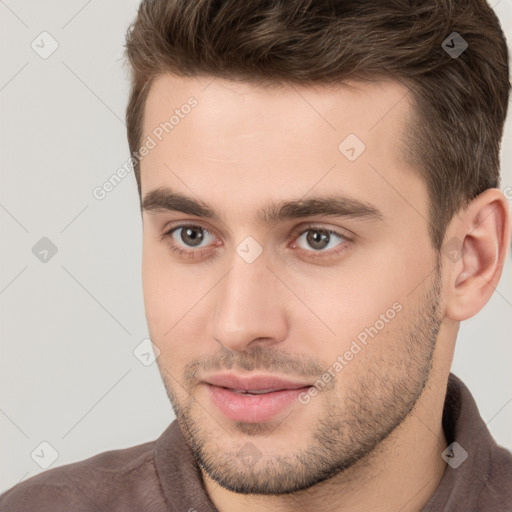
x,y
318,239
193,239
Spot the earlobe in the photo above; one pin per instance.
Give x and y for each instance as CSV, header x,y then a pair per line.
x,y
482,234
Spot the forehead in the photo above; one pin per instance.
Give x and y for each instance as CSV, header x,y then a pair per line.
x,y
168,84
224,105
274,141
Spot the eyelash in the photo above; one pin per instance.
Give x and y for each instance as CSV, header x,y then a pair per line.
x,y
313,255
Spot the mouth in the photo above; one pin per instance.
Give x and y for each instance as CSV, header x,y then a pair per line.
x,y
254,391
253,399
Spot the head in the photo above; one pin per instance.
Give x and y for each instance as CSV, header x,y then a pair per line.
x,y
318,185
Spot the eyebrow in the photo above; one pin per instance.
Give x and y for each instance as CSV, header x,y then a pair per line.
x,y
165,199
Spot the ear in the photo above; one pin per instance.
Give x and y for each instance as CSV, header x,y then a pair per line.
x,y
476,249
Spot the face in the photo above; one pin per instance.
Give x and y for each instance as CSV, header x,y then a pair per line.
x,y
283,258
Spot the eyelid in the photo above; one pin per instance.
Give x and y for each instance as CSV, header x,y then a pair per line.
x,y
299,230
171,226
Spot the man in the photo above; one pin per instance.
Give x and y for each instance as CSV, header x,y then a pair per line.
x,y
320,203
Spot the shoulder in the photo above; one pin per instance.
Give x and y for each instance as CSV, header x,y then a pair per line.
x,y
103,481
496,494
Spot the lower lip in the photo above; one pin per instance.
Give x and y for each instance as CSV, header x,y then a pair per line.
x,y
253,408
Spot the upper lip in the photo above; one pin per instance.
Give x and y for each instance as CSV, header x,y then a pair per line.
x,y
253,382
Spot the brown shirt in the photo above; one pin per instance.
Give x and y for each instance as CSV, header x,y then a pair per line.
x,y
163,475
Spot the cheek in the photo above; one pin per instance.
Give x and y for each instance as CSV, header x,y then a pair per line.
x,y
170,302
159,288
351,299
368,302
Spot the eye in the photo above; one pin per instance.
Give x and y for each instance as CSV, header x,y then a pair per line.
x,y
320,240
191,241
181,237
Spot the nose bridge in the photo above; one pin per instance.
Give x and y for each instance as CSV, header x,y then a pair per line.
x,y
247,306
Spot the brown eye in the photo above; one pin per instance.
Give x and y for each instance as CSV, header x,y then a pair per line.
x,y
192,235
319,239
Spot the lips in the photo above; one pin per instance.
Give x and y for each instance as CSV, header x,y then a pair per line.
x,y
253,399
254,384
254,391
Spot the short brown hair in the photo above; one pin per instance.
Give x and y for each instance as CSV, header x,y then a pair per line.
x,y
460,103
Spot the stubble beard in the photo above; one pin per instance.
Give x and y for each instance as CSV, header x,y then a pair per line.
x,y
344,434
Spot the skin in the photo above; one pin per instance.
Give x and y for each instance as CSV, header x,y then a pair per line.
x,y
372,439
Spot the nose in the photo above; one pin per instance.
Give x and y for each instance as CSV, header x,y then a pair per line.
x,y
249,307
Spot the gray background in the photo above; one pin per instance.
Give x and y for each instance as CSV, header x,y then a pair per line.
x,y
68,373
